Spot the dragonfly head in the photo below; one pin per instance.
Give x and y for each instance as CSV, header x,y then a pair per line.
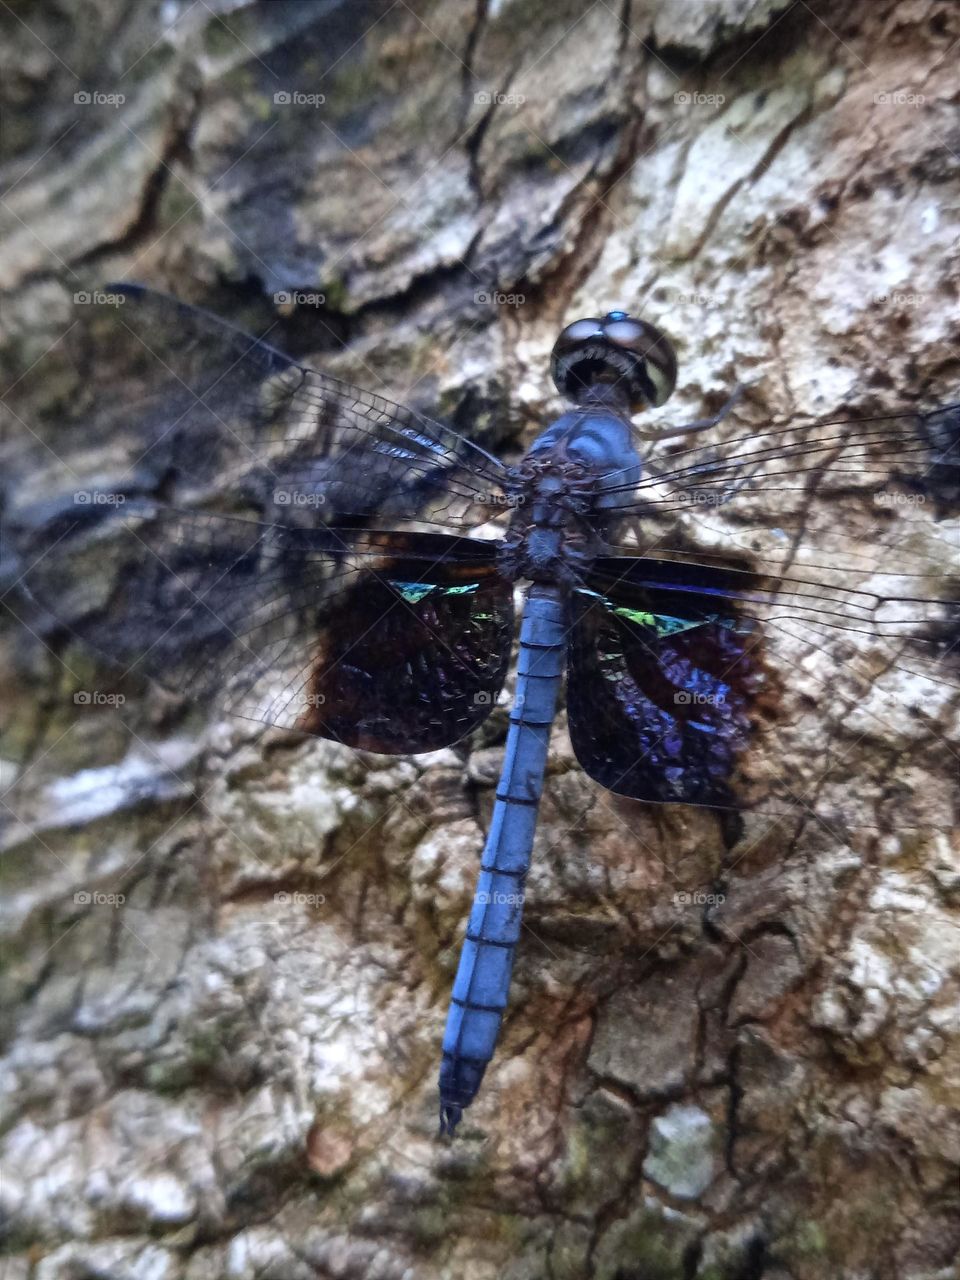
x,y
617,360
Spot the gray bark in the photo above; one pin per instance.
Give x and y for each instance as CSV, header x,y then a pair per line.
x,y
205,1081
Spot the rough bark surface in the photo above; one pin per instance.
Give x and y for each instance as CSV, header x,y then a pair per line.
x,y
209,1080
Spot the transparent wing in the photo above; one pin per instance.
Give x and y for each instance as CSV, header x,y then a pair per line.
x,y
222,546
199,413
786,689
388,642
787,462
836,543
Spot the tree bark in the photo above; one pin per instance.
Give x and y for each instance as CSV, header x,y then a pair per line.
x,y
225,1064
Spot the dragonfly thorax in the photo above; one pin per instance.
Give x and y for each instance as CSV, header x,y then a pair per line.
x,y
557,529
595,436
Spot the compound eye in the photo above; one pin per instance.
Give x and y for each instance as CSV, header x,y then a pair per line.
x,y
651,345
636,335
616,356
580,331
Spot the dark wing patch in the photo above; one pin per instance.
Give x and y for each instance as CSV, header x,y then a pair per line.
x,y
659,696
784,692
413,659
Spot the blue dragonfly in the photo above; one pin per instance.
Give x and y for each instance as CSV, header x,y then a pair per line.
x,y
318,558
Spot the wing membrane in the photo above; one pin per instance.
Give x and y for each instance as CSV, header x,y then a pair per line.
x,y
226,546
659,696
695,680
200,413
389,642
836,455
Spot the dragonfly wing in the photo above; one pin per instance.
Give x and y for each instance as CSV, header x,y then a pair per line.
x,y
764,682
659,695
829,538
388,642
200,413
790,461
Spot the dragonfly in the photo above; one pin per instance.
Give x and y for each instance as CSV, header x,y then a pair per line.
x,y
318,558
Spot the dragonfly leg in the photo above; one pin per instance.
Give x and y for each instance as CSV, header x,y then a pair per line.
x,y
651,470
700,424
